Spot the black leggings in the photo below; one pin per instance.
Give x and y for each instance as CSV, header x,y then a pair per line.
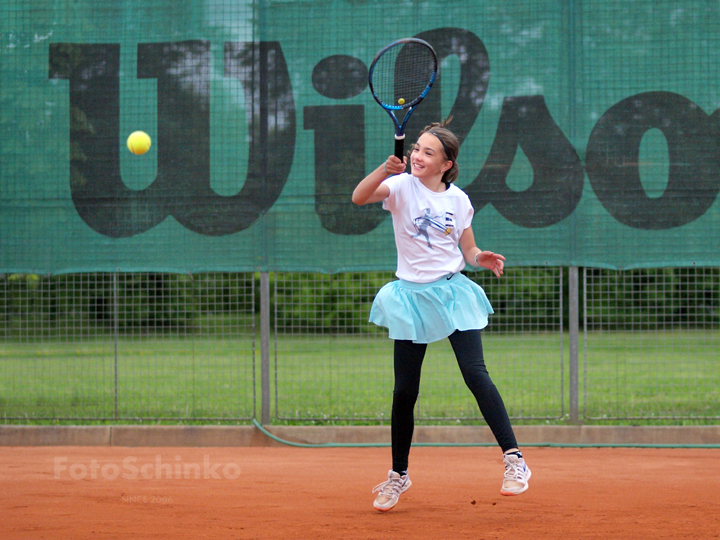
x,y
408,364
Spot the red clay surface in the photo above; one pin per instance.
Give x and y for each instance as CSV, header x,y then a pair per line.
x,y
115,492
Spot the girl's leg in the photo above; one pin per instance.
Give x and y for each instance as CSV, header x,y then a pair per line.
x,y
408,364
468,351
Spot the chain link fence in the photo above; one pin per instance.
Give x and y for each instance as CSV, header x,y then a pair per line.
x,y
333,365
127,347
151,347
652,344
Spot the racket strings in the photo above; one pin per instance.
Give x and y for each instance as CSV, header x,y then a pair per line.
x,y
403,73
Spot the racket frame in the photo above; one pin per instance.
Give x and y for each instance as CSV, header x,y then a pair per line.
x,y
390,108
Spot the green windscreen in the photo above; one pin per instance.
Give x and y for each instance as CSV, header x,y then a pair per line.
x,y
589,131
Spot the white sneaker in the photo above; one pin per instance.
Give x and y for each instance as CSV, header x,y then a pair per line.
x,y
517,474
390,491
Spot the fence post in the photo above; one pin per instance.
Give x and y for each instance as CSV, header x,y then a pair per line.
x,y
116,333
265,347
574,314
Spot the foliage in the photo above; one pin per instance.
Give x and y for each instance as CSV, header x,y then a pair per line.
x,y
340,303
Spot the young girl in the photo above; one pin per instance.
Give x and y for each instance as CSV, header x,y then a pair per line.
x,y
432,300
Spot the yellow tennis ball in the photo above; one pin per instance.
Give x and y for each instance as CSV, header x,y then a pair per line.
x,y
401,101
139,142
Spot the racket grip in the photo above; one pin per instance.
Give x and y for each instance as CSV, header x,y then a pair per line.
x,y
400,146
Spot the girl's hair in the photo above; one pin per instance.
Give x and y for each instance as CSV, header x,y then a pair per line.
x,y
450,144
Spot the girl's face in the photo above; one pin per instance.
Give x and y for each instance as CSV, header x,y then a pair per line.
x,y
427,159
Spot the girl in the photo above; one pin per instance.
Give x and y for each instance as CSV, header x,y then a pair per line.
x,y
432,300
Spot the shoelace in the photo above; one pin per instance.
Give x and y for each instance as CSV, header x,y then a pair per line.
x,y
515,471
389,487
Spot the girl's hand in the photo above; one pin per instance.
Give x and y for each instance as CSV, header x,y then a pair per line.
x,y
491,261
394,166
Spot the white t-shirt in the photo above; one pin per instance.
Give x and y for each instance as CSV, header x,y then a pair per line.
x,y
428,227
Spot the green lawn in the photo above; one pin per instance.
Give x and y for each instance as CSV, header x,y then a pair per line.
x,y
653,374
156,378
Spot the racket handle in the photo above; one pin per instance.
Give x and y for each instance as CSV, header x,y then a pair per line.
x,y
400,146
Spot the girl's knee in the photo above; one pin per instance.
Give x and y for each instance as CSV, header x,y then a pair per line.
x,y
405,396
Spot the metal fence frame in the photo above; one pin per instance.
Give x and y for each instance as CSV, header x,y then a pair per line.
x,y
699,307
119,312
445,367
697,289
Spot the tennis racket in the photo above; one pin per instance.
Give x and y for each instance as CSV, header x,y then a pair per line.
x,y
400,77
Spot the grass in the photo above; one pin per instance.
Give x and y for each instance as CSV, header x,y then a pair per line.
x,y
653,374
651,377
172,378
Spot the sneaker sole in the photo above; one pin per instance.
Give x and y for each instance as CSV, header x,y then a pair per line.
x,y
523,490
388,508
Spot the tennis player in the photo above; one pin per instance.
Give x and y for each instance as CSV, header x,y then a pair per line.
x,y
432,300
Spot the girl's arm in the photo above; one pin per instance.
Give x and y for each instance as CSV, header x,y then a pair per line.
x,y
477,257
371,189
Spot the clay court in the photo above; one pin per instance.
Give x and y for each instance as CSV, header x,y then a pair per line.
x,y
63,492
200,200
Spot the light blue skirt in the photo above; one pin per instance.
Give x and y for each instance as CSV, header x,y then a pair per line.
x,y
427,312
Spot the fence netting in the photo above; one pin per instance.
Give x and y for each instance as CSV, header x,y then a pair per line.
x,y
129,283
127,347
348,369
652,343
588,131
167,347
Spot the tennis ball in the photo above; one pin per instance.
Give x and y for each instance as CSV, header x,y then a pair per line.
x,y
401,101
139,142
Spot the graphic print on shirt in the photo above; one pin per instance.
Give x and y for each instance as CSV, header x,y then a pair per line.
x,y
442,223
